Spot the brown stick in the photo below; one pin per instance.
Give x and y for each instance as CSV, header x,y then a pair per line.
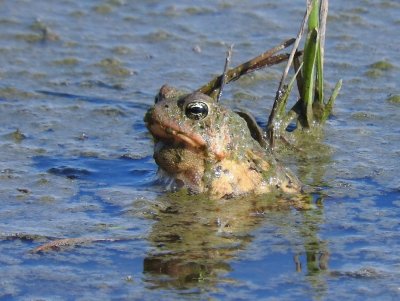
x,y
57,244
263,60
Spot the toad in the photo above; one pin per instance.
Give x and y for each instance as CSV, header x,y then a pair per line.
x,y
209,149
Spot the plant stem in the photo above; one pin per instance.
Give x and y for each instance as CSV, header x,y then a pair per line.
x,y
310,61
279,93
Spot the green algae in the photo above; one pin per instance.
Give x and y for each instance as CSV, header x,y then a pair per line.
x,y
382,65
102,9
362,116
17,136
121,50
12,92
379,69
374,73
69,61
394,99
114,67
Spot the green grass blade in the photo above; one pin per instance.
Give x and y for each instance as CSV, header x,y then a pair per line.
x,y
281,108
320,76
331,101
310,52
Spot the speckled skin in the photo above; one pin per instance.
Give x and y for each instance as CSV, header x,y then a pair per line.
x,y
214,154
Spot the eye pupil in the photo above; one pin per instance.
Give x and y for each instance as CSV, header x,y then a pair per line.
x,y
196,110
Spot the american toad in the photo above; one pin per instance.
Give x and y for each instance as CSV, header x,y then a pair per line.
x,y
208,148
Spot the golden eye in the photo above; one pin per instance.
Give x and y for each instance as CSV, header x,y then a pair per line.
x,y
196,110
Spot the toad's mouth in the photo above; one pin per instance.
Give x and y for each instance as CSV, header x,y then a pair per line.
x,y
171,132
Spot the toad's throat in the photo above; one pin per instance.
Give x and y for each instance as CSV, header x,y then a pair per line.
x,y
170,131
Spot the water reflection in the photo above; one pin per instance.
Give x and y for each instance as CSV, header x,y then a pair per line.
x,y
316,252
194,239
311,157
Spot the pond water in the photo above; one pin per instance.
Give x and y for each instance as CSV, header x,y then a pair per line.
x,y
76,78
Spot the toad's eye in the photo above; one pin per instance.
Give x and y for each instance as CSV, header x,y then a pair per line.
x,y
196,110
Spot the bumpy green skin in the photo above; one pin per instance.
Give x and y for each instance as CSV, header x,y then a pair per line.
x,y
214,154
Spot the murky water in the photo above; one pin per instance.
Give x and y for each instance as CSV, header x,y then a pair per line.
x,y
76,78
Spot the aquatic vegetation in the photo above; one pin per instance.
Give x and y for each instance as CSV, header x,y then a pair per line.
x,y
311,109
114,67
395,99
379,68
